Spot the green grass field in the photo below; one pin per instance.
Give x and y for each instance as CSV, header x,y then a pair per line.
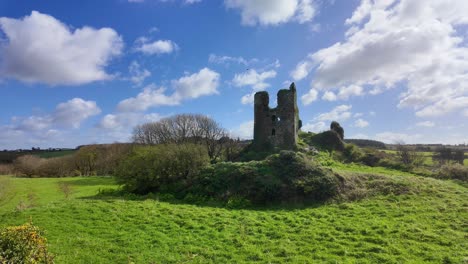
x,y
55,154
427,225
427,157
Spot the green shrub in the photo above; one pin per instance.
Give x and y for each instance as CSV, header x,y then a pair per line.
x,y
283,177
352,153
23,244
329,140
453,171
161,168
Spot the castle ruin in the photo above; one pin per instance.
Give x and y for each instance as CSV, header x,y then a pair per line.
x,y
276,127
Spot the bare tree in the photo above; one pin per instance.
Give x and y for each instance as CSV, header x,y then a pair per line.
x,y
408,156
184,128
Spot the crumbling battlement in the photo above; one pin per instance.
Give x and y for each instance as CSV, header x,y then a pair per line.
x,y
276,127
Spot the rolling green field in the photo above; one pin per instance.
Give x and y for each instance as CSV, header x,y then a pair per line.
x,y
428,224
55,154
427,157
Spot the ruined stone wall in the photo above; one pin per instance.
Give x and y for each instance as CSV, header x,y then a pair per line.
x,y
276,127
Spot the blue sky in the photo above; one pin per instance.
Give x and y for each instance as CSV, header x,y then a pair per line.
x,y
81,72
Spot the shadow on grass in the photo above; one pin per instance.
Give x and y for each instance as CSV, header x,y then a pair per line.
x,y
119,194
93,181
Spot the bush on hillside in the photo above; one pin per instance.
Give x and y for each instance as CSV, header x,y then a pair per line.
x,y
352,153
328,140
27,165
6,169
161,168
88,160
453,171
283,177
23,244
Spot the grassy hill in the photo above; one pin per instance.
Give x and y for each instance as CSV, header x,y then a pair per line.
x,y
419,220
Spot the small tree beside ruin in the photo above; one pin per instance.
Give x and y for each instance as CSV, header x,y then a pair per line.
x,y
184,128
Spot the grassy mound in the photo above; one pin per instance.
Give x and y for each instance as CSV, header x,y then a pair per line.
x,y
327,140
429,227
284,177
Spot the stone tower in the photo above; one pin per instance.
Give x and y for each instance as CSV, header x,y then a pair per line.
x,y
276,127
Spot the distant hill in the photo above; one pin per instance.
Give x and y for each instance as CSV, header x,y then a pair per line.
x,y
366,143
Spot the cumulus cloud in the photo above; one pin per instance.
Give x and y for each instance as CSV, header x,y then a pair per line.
x,y
73,112
151,96
392,137
213,58
203,83
68,114
301,71
425,124
418,44
244,131
248,98
309,97
40,48
254,79
137,74
273,12
328,96
126,121
155,47
339,113
361,123
314,127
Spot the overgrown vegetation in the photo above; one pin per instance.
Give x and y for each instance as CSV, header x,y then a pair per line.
x,y
411,219
162,168
24,244
284,177
88,160
454,172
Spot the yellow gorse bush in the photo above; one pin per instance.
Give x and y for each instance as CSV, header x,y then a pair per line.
x,y
23,244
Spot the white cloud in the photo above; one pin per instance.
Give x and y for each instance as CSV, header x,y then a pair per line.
x,y
273,12
301,71
328,96
418,44
314,127
348,91
138,75
343,94
359,136
156,47
40,48
248,98
244,131
254,79
151,96
309,97
339,113
205,82
74,112
425,124
124,122
392,138
187,2
443,106
68,114
213,58
361,123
